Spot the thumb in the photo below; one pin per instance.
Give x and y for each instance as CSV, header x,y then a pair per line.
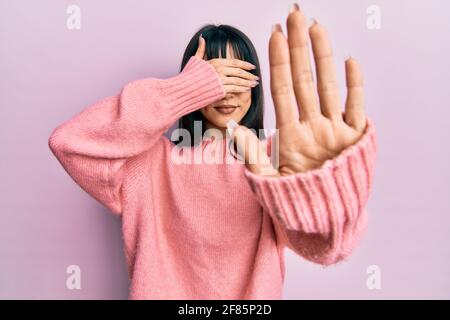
x,y
201,47
252,149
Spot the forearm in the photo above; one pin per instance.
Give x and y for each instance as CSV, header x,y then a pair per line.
x,y
321,213
95,145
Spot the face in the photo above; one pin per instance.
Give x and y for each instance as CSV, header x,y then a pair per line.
x,y
217,116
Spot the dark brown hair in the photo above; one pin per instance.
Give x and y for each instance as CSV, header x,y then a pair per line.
x,y
217,38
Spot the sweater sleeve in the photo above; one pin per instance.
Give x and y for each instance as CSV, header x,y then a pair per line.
x,y
320,214
96,146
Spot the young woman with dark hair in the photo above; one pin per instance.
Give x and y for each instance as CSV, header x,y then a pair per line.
x,y
218,230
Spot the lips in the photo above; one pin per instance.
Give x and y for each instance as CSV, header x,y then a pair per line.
x,y
226,109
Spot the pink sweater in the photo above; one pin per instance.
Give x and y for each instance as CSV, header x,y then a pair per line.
x,y
207,231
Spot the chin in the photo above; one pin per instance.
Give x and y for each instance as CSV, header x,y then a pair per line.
x,y
222,123
222,120
219,119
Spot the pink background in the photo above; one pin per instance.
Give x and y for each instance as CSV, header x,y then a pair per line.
x,y
49,73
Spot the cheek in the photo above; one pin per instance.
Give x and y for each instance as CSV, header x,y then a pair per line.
x,y
210,114
205,112
245,100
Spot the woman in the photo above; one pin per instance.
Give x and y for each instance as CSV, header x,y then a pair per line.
x,y
197,230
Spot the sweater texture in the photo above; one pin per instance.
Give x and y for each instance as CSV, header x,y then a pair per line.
x,y
207,229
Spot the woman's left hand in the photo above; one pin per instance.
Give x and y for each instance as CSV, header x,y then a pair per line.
x,y
311,130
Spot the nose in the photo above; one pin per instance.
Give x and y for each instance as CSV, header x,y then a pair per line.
x,y
227,98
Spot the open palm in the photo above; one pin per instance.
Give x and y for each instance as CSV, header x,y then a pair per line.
x,y
311,125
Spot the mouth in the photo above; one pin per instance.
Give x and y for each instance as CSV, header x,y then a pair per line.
x,y
225,109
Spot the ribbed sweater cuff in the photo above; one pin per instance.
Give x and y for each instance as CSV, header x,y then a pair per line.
x,y
316,201
197,86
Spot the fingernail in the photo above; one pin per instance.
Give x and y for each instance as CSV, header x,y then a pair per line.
x,y
231,125
276,27
312,21
294,7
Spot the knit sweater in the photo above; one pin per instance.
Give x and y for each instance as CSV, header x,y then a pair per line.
x,y
207,230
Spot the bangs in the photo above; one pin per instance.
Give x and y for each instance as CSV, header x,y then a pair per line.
x,y
216,46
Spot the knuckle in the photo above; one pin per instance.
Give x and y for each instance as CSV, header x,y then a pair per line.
x,y
284,88
304,77
330,86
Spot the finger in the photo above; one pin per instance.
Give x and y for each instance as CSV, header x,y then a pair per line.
x,y
302,77
240,82
200,53
238,72
354,105
327,84
253,151
233,88
236,63
283,95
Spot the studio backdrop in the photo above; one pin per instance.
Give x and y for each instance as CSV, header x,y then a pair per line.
x,y
58,57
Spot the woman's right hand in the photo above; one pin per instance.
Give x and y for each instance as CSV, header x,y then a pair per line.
x,y
233,72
